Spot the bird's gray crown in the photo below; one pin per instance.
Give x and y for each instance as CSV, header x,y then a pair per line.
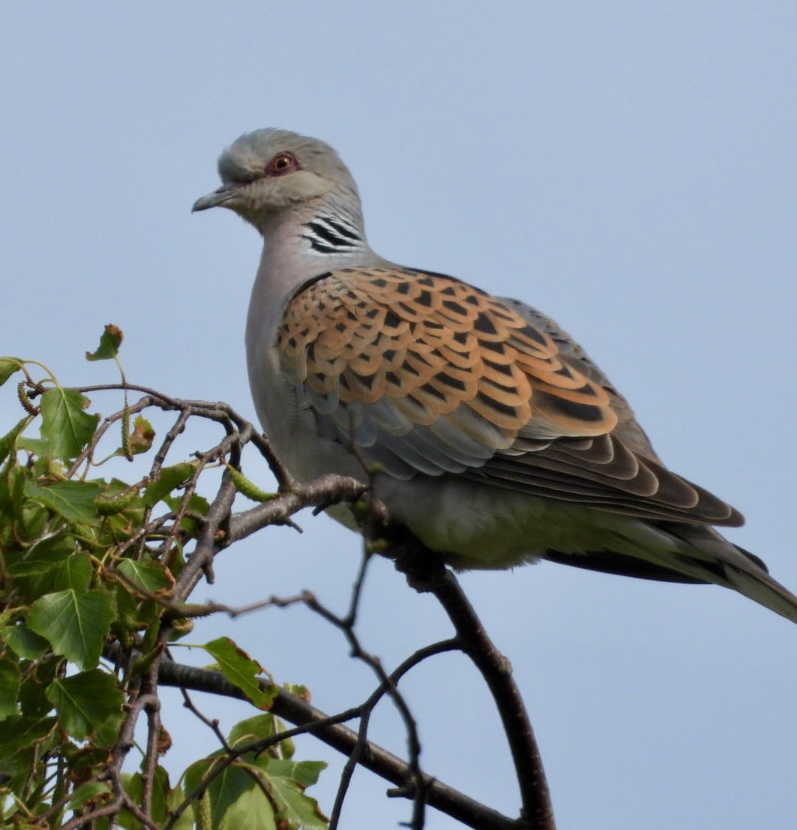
x,y
246,158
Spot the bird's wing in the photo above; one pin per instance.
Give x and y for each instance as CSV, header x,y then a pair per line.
x,y
420,373
631,433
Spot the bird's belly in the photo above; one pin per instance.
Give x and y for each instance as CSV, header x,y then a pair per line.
x,y
479,526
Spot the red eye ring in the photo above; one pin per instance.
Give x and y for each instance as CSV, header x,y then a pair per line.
x,y
282,163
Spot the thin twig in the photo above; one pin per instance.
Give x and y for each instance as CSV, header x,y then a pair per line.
x,y
414,745
211,723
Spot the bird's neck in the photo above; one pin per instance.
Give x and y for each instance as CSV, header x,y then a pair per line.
x,y
319,237
304,244
330,231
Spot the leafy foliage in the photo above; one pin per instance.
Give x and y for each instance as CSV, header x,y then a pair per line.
x,y
94,579
257,790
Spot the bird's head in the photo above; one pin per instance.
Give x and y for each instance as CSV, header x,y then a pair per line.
x,y
267,172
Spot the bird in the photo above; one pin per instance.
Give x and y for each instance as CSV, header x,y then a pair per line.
x,y
485,430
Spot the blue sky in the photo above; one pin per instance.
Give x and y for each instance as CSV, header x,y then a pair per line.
x,y
627,168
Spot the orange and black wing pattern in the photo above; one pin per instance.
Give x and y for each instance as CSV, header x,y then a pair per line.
x,y
424,374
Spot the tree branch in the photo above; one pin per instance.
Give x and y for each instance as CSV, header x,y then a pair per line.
x,y
426,572
468,811
322,492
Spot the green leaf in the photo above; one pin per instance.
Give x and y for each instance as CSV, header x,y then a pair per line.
x,y
167,480
148,574
287,781
65,426
249,810
259,727
110,341
232,795
304,773
89,703
90,791
236,801
9,687
74,500
75,624
196,773
253,729
241,670
9,440
84,761
32,519
164,800
74,572
24,642
19,733
35,446
9,365
196,504
36,570
130,614
32,698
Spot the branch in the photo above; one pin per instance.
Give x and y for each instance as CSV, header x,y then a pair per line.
x,y
468,811
321,493
426,572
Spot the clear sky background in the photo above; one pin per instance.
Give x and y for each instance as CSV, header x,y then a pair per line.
x,y
629,168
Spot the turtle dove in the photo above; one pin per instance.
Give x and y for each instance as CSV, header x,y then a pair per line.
x,y
487,431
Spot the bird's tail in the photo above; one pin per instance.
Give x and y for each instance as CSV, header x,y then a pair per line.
x,y
704,554
677,552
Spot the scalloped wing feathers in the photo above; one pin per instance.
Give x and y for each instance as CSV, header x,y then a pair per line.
x,y
422,373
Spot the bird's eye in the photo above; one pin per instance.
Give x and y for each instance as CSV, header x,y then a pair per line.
x,y
282,163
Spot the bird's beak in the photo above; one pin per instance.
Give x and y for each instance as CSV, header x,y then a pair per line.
x,y
218,198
